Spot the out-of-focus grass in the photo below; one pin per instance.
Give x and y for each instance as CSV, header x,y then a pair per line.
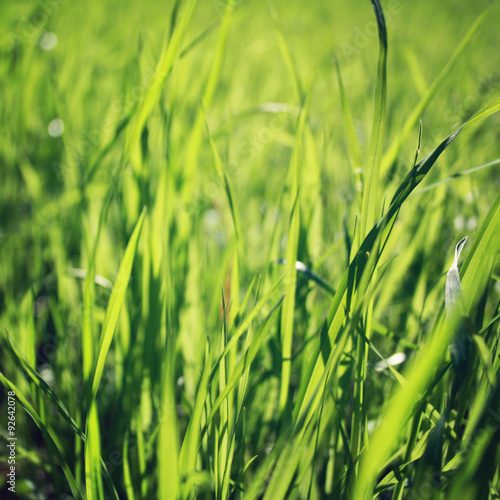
x,y
218,224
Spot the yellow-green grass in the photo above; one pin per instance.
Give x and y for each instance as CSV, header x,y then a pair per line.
x,y
252,207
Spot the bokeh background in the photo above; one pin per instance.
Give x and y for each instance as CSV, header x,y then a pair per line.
x,y
72,73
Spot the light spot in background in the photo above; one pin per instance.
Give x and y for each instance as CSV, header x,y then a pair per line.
x,y
48,41
56,127
469,198
472,223
211,219
212,224
47,374
459,222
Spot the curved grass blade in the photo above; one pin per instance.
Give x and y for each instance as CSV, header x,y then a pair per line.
x,y
309,274
490,164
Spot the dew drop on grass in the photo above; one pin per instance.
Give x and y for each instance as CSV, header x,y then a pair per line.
x,y
56,127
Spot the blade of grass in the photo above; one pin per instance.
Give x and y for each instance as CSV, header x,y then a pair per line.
x,y
369,213
92,444
288,310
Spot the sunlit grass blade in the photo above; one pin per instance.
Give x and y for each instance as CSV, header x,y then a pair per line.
x,y
288,309
246,360
458,175
337,313
115,302
369,213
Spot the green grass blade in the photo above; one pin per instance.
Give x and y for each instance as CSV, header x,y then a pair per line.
x,y
288,310
115,302
370,210
168,446
92,430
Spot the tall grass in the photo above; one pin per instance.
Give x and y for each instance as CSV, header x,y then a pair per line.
x,y
240,270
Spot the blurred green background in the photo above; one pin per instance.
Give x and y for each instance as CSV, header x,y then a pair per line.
x,y
72,74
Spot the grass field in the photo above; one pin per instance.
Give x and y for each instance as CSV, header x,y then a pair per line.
x,y
250,249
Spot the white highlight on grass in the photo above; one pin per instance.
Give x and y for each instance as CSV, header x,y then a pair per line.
x,y
56,127
48,41
300,266
371,425
82,274
394,360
